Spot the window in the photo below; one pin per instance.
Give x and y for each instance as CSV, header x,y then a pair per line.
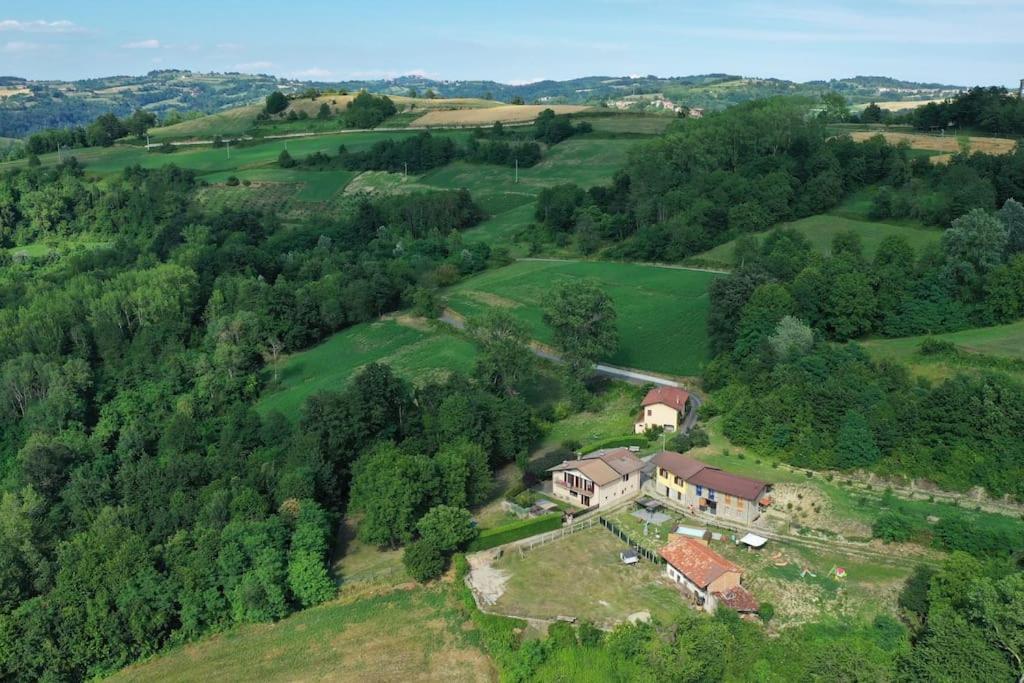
x,y
625,477
649,412
739,503
700,490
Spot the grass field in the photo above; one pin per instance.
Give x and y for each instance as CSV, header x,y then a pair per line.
x,y
662,312
944,143
506,113
637,124
405,635
1000,341
581,576
823,228
416,354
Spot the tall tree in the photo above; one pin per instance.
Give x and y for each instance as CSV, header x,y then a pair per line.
x,y
582,317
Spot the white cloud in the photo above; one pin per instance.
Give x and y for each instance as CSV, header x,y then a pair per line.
x,y
254,66
40,26
229,46
149,44
17,46
313,73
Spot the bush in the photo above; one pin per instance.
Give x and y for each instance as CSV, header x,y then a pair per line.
x,y
447,528
232,181
276,103
491,538
766,611
893,526
616,442
423,560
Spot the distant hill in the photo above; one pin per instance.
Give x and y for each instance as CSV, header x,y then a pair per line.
x,y
27,106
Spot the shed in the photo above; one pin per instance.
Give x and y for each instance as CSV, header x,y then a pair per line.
x,y
629,556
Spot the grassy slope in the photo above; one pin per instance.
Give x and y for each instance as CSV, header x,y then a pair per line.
x,y
822,229
407,635
414,354
662,312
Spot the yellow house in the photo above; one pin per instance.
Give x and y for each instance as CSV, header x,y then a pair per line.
x,y
662,407
672,471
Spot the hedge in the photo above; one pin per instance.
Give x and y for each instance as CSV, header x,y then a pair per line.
x,y
524,528
616,442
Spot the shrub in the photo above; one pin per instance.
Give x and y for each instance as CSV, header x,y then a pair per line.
x,y
423,560
232,181
447,528
766,611
893,525
514,531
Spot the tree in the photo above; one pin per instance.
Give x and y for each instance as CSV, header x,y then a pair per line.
x,y
423,560
855,444
975,244
871,114
447,528
1012,217
766,611
105,130
139,122
324,112
285,160
768,305
276,103
791,339
582,318
999,607
393,489
505,358
463,472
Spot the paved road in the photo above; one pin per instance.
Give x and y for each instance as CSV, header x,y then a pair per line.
x,y
630,375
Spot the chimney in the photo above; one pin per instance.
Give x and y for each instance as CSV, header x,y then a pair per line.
x,y
1020,90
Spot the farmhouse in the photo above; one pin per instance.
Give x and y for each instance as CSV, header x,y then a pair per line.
x,y
602,477
705,576
709,489
662,407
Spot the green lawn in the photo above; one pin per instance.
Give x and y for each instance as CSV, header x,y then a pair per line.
x,y
45,248
500,229
405,635
662,312
581,576
417,355
823,228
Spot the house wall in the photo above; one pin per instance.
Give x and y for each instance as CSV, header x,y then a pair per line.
x,y
680,578
729,507
724,582
562,493
658,415
670,488
622,489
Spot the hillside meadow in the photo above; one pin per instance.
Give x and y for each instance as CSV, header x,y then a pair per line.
x,y
662,311
820,230
415,353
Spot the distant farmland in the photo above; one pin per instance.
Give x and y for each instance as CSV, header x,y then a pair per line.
x,y
946,143
662,312
508,113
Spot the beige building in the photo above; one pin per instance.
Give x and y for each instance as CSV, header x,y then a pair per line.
x,y
704,576
600,478
663,407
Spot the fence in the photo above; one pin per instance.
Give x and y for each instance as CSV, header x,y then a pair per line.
x,y
541,539
643,552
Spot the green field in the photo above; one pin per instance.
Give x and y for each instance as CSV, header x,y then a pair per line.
x,y
404,635
662,312
416,354
978,346
822,229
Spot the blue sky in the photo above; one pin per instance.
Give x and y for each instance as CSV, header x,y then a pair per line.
x,y
949,41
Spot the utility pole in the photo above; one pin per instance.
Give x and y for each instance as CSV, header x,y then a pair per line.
x,y
1020,90
517,172
229,148
406,173
147,142
60,159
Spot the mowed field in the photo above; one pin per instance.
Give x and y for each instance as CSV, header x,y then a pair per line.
x,y
418,634
505,113
419,355
820,230
941,143
662,312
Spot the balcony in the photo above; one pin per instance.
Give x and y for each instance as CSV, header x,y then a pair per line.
x,y
577,485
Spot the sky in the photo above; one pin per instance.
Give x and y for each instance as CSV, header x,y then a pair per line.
x,y
960,42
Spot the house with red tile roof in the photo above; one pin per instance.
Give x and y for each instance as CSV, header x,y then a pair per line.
x,y
662,407
704,576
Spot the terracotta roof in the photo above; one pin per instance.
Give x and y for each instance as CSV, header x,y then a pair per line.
x,y
670,396
678,464
603,467
732,484
697,562
739,598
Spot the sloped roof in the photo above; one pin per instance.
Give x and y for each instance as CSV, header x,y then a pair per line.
x,y
732,484
738,598
678,464
697,562
603,467
673,397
